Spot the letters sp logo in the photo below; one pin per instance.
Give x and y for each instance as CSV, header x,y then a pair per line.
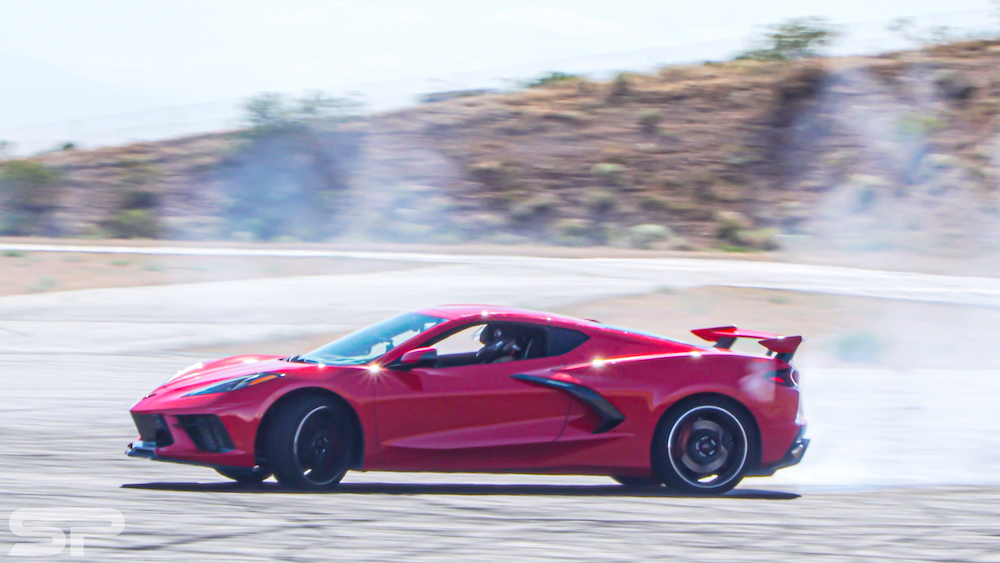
x,y
49,523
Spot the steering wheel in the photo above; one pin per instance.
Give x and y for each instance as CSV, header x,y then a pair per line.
x,y
491,351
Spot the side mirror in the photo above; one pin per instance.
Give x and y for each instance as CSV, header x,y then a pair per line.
x,y
417,357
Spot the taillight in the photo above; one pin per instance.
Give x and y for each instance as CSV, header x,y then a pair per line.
x,y
788,377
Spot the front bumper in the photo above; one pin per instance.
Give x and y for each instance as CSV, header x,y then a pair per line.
x,y
147,450
197,439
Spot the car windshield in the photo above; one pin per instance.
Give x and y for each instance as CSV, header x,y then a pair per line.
x,y
372,342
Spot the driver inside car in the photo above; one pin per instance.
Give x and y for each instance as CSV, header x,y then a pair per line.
x,y
500,345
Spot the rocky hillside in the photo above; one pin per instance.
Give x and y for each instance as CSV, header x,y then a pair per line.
x,y
896,151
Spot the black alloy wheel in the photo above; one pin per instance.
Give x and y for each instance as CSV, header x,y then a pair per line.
x,y
310,444
703,447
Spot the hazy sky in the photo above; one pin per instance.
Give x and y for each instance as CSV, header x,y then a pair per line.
x,y
63,60
207,49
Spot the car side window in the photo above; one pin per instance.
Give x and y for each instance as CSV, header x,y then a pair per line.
x,y
462,342
491,343
564,340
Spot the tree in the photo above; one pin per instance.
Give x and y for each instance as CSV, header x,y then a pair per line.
x,y
275,111
793,39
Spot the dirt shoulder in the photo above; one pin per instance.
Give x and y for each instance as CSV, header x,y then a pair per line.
x,y
39,272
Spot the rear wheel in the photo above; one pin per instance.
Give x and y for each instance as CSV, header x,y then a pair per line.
x,y
703,447
310,444
638,482
243,475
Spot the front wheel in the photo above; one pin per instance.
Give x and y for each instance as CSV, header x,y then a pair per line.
x,y
703,447
244,475
310,444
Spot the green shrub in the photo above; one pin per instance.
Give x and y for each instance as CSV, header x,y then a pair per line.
x,y
737,235
493,174
644,236
133,223
727,247
138,199
533,207
654,203
573,227
270,111
572,232
579,232
18,173
649,121
612,173
728,223
792,39
953,85
621,87
601,201
759,239
30,190
550,79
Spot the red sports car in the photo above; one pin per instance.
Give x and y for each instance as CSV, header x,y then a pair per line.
x,y
488,389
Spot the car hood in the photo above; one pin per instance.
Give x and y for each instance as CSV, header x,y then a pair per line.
x,y
227,368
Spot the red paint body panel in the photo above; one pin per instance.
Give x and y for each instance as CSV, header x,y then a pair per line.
x,y
479,418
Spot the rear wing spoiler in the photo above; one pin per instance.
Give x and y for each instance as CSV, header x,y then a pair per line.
x,y
725,336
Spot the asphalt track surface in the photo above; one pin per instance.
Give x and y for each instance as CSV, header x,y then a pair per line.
x,y
903,466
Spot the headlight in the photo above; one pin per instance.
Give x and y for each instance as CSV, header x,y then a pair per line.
x,y
184,371
236,383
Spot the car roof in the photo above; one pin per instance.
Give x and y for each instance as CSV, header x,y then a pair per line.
x,y
514,314
452,312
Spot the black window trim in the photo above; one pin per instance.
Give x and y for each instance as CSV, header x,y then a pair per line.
x,y
548,329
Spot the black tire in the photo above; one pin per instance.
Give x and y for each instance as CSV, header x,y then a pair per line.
x,y
310,444
638,482
704,446
244,476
